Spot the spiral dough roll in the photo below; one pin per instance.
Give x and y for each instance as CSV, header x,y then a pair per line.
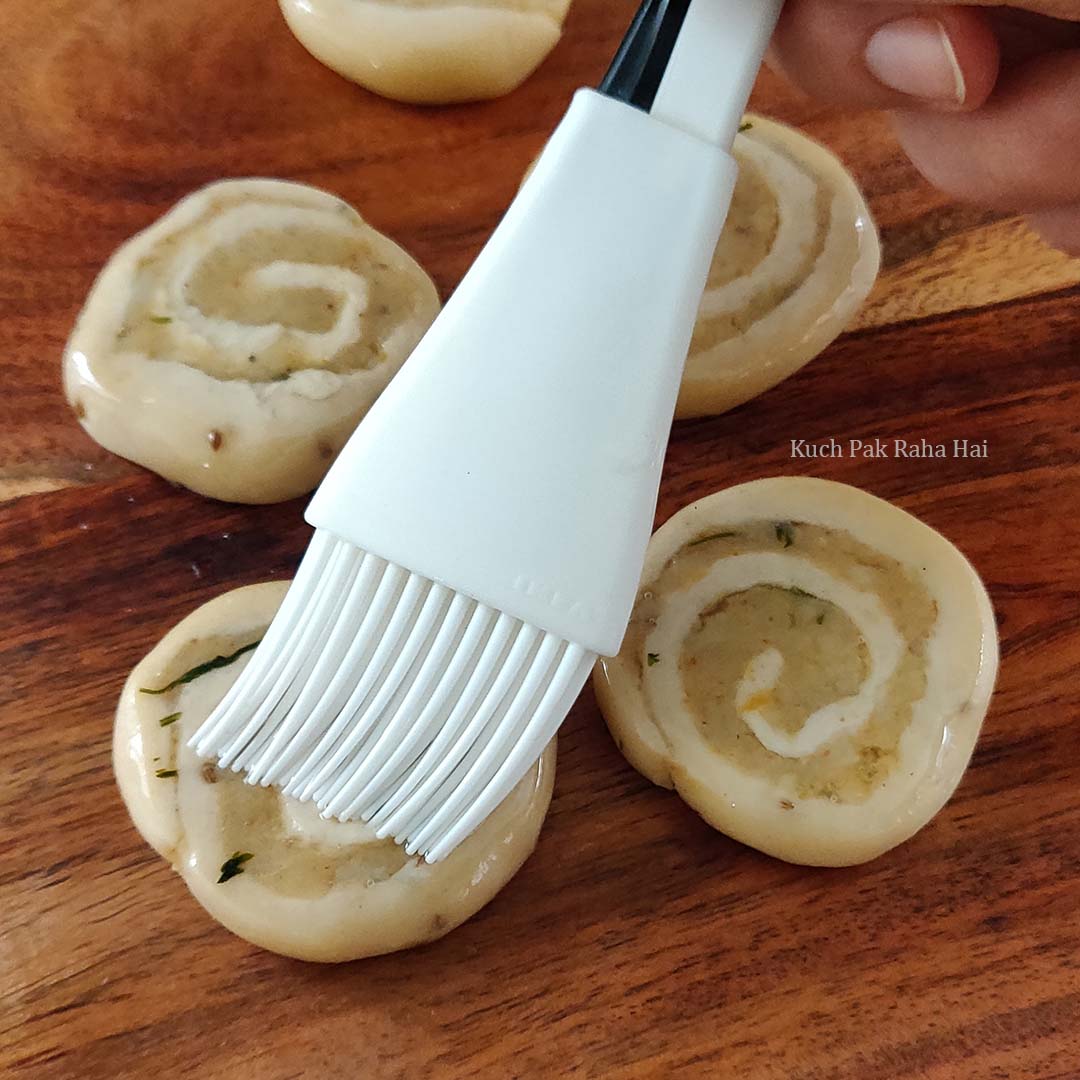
x,y
233,346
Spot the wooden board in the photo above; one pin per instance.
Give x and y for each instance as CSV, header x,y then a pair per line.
x,y
637,942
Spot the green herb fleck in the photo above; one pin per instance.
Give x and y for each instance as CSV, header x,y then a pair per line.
x,y
165,774
234,865
796,591
871,761
161,320
821,618
165,721
746,125
653,659
785,533
201,669
281,376
712,536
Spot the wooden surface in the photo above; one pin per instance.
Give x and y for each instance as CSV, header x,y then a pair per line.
x,y
636,942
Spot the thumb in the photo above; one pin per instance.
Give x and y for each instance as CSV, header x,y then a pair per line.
x,y
887,55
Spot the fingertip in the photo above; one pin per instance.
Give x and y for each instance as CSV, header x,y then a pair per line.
x,y
976,54
896,56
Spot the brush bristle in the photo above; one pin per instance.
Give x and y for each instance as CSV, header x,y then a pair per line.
x,y
378,694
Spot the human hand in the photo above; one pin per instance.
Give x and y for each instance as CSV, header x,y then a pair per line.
x,y
985,99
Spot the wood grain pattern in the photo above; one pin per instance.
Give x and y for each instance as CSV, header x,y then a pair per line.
x,y
636,942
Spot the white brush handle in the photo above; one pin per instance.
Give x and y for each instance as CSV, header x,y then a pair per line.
x,y
716,59
516,457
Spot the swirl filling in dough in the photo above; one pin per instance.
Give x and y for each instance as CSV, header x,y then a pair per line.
x,y
266,866
807,665
233,346
797,257
429,52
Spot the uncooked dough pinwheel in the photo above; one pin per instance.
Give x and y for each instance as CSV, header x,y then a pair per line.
x,y
797,257
234,345
268,867
807,665
429,52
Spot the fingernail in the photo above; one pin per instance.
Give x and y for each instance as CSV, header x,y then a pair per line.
x,y
915,56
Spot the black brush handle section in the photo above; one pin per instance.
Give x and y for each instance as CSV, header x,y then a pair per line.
x,y
642,59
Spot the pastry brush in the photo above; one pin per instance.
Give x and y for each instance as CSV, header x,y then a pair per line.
x,y
480,537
